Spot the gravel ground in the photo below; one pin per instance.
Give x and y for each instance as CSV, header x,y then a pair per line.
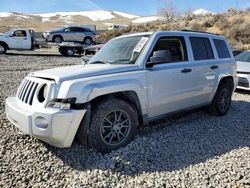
x,y
191,150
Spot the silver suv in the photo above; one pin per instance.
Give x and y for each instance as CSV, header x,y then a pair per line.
x,y
132,80
70,34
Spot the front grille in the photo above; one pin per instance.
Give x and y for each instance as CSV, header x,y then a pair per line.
x,y
243,82
27,91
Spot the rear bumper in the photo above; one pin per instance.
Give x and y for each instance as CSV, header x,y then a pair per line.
x,y
54,126
243,81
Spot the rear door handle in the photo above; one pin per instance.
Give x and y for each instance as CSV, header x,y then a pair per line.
x,y
214,67
186,71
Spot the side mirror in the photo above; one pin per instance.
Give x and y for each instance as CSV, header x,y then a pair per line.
x,y
161,56
11,35
66,30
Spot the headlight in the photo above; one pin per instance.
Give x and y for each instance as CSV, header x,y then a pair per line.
x,y
63,104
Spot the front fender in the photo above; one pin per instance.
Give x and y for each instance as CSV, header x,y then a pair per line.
x,y
93,90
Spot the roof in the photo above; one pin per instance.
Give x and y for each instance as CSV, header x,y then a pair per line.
x,y
184,32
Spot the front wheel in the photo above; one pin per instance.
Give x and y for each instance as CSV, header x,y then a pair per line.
x,y
87,41
113,125
222,100
58,39
2,49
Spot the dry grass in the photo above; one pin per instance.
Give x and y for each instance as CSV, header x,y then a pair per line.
x,y
234,25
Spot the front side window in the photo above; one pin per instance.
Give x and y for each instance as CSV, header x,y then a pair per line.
x,y
19,33
221,48
201,48
175,45
123,50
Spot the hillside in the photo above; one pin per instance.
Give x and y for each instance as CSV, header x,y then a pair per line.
x,y
232,24
100,18
46,21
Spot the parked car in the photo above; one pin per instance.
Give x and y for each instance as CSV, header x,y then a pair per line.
x,y
17,39
92,50
237,51
243,70
70,34
89,52
132,80
117,27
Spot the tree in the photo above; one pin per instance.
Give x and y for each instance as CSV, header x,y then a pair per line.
x,y
168,10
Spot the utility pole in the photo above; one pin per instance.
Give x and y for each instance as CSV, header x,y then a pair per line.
x,y
237,5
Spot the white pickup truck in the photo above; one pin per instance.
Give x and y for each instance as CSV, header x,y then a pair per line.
x,y
17,39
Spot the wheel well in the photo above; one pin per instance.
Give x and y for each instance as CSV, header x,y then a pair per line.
x,y
4,44
227,80
87,37
128,96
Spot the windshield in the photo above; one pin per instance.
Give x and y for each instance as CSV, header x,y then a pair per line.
x,y
60,29
244,56
10,31
123,50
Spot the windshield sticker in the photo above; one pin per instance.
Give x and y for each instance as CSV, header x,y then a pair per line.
x,y
140,44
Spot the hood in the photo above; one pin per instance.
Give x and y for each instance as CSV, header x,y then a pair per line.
x,y
243,66
2,36
82,71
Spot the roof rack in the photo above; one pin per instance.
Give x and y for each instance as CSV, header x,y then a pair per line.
x,y
187,30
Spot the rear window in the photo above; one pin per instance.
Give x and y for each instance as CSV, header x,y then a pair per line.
x,y
221,48
202,49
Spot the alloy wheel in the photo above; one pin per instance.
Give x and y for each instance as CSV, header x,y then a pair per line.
x,y
115,127
224,100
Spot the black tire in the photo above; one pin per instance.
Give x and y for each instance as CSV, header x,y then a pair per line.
x,y
69,52
222,100
121,130
3,49
62,51
57,39
87,41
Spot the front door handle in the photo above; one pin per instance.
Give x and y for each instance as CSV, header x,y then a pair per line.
x,y
214,67
25,38
186,71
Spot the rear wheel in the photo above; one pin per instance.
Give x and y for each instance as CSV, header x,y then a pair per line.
x,y
113,125
222,100
2,49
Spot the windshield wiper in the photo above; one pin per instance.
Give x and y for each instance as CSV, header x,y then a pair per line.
x,y
99,62
122,61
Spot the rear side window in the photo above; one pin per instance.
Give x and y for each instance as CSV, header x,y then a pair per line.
x,y
221,48
202,49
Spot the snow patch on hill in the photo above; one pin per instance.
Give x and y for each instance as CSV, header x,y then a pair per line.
x,y
126,15
98,15
147,19
202,12
5,14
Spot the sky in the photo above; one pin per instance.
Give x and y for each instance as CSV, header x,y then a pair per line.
x,y
137,7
